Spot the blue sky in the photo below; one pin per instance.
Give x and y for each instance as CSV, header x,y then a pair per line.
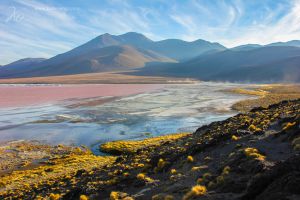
x,y
46,28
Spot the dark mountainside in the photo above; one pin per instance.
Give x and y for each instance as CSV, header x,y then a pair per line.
x,y
249,156
265,64
21,64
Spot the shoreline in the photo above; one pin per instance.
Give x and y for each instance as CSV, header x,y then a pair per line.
x,y
117,77
172,161
38,162
266,94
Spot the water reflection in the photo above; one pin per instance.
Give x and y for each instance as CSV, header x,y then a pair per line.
x,y
176,108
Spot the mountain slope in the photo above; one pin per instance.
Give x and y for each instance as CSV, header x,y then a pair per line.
x,y
252,155
182,50
246,47
292,43
286,70
108,53
105,40
109,58
25,62
173,48
252,65
198,59
19,66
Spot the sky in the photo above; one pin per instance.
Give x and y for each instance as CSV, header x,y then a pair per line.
x,y
46,28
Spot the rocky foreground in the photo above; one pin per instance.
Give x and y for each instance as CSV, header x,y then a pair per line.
x,y
249,156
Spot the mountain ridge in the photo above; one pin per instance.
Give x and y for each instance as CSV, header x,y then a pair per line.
x,y
230,65
199,59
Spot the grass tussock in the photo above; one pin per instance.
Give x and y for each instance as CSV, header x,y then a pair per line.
x,y
190,159
267,95
253,153
196,191
255,92
52,173
288,126
144,177
120,147
115,195
83,197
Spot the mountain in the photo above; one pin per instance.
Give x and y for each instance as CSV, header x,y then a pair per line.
x,y
105,40
265,64
246,47
113,52
25,62
182,50
292,43
110,58
20,65
171,57
286,70
172,48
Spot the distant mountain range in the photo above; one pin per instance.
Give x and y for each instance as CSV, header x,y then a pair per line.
x,y
265,64
200,59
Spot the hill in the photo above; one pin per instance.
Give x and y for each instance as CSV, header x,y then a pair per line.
x,y
110,53
199,59
292,43
246,47
109,58
265,64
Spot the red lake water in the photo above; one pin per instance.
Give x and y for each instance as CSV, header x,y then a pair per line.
x,y
29,95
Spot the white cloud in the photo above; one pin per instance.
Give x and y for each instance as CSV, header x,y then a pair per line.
x,y
47,29
36,29
53,29
285,29
222,23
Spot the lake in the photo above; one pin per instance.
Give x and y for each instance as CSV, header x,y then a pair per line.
x,y
92,114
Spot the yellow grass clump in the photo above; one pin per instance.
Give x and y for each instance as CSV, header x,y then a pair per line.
x,y
145,178
234,138
190,159
114,195
173,171
253,128
289,125
83,197
268,94
54,196
196,191
133,146
59,169
253,153
256,92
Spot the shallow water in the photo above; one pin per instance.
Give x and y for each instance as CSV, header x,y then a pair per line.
x,y
175,108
